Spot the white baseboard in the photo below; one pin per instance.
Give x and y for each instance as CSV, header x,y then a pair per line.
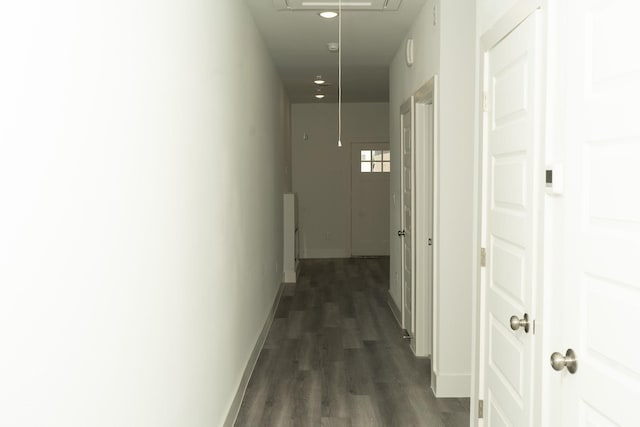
x,y
251,364
290,276
394,309
451,385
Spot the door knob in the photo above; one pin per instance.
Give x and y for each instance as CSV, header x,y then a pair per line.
x,y
400,233
559,362
516,323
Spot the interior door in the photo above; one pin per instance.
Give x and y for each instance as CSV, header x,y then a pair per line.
x,y
598,310
406,233
424,141
370,183
511,221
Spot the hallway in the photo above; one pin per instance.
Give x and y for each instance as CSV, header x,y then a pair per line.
x,y
335,357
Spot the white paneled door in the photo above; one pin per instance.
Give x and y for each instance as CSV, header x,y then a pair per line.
x,y
511,220
597,311
406,232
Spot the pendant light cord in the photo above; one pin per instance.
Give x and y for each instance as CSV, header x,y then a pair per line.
x,y
339,73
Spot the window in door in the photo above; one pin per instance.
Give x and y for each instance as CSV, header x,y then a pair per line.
x,y
375,161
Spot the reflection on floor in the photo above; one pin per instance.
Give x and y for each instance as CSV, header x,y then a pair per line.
x,y
335,357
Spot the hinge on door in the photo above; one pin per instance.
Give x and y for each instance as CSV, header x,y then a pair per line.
x,y
480,409
483,257
485,102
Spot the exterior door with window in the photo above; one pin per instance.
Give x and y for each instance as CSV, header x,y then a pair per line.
x,y
370,184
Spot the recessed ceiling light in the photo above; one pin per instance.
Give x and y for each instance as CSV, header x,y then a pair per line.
x,y
328,14
319,80
319,95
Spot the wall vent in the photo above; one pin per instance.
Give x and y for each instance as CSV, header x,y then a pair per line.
x,y
377,5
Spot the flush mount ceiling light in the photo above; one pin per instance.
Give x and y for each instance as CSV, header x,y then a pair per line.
x,y
328,14
319,80
319,95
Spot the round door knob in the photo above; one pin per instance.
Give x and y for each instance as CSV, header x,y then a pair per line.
x,y
516,323
559,362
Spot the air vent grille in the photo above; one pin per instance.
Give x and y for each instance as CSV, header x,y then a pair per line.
x,y
379,5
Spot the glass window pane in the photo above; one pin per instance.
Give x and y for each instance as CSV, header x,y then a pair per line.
x,y
377,155
377,166
386,167
365,155
365,167
386,155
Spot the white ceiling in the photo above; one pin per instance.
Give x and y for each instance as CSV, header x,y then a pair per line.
x,y
297,41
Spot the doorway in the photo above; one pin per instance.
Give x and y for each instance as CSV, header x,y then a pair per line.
x,y
424,101
418,148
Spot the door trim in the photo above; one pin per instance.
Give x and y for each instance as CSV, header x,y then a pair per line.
x,y
424,295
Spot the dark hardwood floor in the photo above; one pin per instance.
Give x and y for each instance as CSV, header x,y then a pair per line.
x,y
335,357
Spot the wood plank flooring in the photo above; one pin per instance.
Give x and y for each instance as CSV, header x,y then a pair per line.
x,y
335,357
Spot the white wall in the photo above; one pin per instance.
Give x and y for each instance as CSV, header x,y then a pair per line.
x,y
141,172
490,11
446,49
322,171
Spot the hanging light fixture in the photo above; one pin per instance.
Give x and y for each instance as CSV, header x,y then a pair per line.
x,y
340,73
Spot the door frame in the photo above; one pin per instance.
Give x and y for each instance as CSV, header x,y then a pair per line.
x,y
407,107
505,25
425,279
